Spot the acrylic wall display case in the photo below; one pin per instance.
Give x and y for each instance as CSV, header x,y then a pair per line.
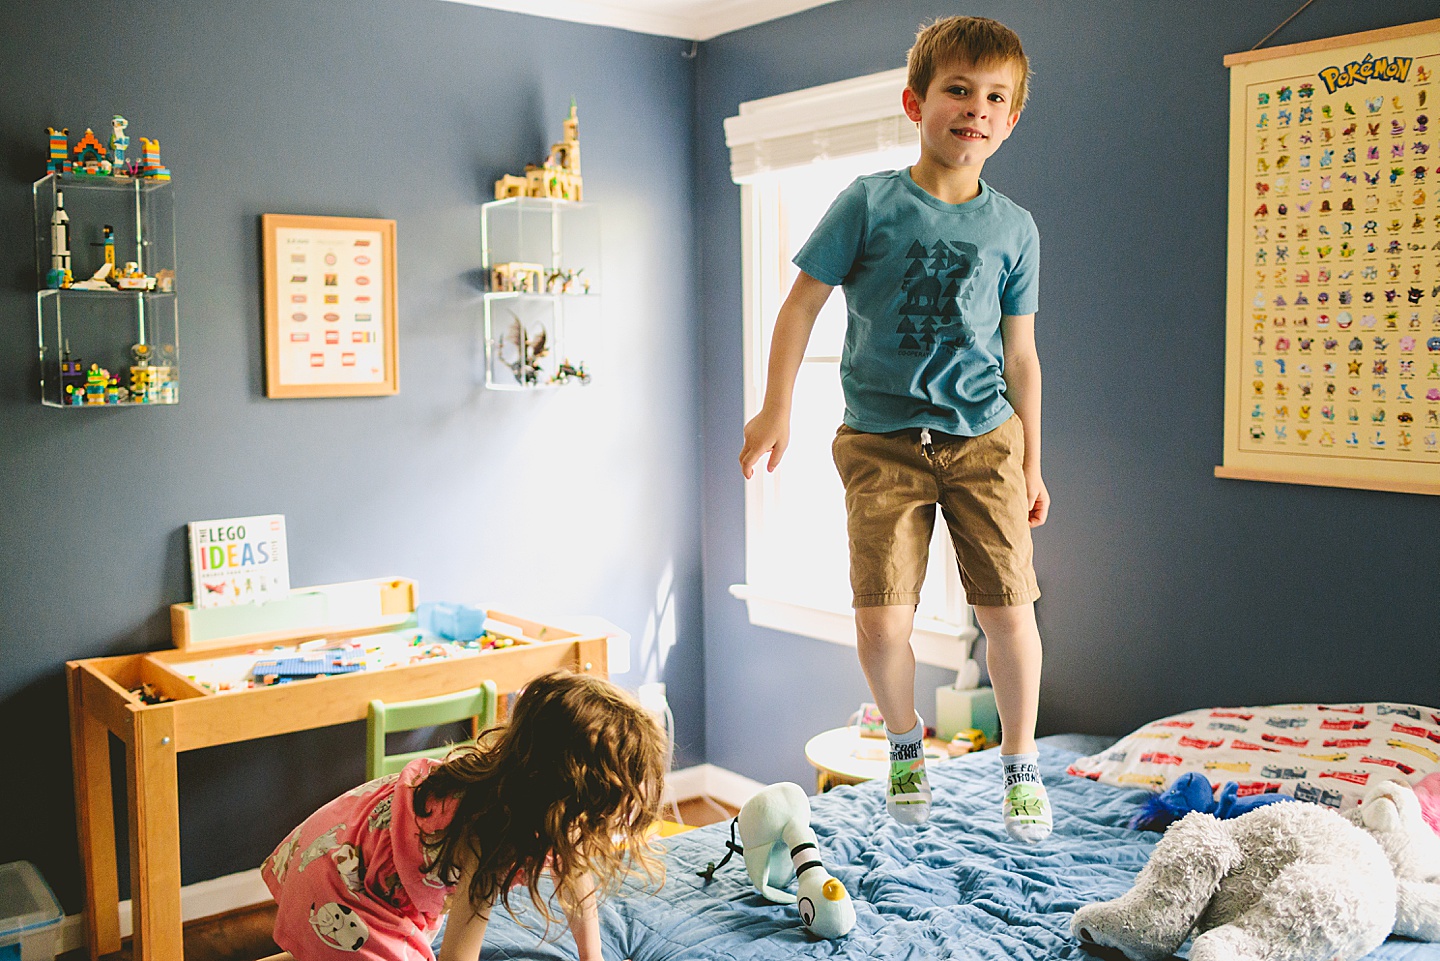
x,y
116,343
542,315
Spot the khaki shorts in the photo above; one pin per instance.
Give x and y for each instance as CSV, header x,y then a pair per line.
x,y
892,484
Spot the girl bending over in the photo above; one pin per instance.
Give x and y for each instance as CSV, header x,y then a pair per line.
x,y
569,785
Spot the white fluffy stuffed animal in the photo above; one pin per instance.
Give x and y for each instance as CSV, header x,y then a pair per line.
x,y
779,845
1286,882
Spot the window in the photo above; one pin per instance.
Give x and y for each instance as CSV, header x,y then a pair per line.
x,y
791,155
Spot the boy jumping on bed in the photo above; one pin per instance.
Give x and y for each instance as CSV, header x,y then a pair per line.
x,y
940,275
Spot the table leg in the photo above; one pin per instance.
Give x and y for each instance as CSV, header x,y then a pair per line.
x,y
154,838
95,820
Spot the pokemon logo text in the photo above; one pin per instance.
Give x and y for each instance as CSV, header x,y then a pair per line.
x,y
1363,71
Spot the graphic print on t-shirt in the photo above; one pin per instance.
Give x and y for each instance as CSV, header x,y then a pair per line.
x,y
937,285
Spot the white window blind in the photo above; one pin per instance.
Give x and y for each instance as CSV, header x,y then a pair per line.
x,y
863,115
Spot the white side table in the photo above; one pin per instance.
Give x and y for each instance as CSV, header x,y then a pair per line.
x,y
842,756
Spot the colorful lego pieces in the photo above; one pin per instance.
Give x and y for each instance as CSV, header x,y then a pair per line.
x,y
119,141
90,156
59,151
150,165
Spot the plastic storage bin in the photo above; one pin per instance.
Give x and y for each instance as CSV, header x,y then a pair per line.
x,y
29,914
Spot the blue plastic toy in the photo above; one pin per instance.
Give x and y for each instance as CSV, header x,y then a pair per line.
x,y
1192,792
463,622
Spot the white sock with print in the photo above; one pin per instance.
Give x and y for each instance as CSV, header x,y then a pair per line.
x,y
1027,805
907,797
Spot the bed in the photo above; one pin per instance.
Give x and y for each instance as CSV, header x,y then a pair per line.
x,y
956,889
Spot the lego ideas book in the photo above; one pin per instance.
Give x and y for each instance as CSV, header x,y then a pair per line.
x,y
239,560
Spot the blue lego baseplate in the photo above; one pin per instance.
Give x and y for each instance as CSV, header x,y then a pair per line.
x,y
280,670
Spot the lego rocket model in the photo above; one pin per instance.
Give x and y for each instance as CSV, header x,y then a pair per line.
x,y
59,243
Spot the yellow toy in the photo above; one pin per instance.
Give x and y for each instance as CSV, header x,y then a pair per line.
x,y
97,381
967,740
150,165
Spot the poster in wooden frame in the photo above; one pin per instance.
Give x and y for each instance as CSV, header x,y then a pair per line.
x,y
1332,356
330,306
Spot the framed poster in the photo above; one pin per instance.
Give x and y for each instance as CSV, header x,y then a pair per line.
x,y
1332,357
330,306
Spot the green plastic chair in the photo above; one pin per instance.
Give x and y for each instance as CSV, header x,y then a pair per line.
x,y
477,704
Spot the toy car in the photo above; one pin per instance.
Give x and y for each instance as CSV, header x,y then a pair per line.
x,y
1273,770
1157,757
966,740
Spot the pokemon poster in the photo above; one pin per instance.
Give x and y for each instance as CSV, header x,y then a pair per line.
x,y
1333,313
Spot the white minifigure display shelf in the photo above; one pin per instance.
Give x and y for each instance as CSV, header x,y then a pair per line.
x,y
109,331
542,261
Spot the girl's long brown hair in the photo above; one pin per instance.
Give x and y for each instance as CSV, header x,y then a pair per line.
x,y
572,782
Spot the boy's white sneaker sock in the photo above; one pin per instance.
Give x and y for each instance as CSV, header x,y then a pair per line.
x,y
908,796
1027,805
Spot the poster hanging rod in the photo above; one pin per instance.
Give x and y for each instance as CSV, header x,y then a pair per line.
x,y
1282,24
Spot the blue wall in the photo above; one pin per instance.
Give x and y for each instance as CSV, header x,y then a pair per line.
x,y
582,500
1164,588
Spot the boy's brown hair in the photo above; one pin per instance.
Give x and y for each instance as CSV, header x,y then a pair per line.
x,y
572,784
979,40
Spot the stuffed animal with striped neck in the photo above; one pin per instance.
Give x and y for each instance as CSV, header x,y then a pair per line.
x,y
779,845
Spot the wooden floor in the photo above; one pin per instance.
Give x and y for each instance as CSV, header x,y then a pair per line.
x,y
245,935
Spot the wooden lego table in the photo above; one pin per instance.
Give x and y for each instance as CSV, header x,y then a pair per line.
x,y
102,703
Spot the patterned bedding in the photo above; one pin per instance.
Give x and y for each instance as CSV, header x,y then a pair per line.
x,y
957,888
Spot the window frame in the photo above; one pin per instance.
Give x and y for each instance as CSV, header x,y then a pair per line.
x,y
792,131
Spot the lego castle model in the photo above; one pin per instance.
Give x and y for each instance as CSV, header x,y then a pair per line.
x,y
558,177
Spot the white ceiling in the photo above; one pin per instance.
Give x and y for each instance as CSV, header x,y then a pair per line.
x,y
687,19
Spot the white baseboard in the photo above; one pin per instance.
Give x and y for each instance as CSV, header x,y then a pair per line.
x,y
205,899
708,780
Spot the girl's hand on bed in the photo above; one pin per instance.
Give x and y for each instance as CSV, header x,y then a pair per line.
x,y
585,921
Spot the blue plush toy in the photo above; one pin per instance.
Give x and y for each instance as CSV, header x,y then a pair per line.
x,y
1192,792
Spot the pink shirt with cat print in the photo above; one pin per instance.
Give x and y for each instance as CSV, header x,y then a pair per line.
x,y
351,878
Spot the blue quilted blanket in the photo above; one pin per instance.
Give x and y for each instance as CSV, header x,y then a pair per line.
x,y
957,888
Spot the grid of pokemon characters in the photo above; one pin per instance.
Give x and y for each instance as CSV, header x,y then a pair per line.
x,y
1342,261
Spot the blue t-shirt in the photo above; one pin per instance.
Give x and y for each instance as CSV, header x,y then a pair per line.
x,y
926,283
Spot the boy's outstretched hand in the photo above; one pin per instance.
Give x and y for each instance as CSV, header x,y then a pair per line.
x,y
769,433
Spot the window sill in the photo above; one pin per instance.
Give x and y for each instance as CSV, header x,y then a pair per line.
x,y
939,643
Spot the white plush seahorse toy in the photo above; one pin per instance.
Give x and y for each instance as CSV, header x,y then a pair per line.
x,y
780,845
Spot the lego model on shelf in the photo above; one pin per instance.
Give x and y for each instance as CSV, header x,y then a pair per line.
x,y
106,308
558,177
542,313
541,246
538,336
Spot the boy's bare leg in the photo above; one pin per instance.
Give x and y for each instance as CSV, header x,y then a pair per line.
x,y
882,638
1013,656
